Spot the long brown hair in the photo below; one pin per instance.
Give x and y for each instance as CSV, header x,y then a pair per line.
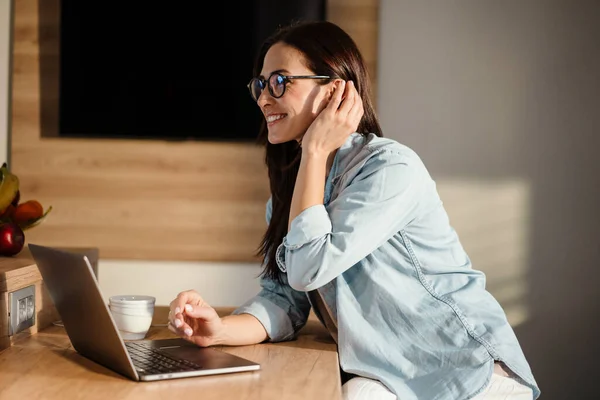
x,y
328,50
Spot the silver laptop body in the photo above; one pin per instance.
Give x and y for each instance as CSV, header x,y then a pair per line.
x,y
88,322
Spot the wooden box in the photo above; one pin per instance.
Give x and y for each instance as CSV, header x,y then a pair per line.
x,y
18,272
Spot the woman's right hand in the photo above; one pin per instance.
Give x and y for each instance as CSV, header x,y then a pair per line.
x,y
193,319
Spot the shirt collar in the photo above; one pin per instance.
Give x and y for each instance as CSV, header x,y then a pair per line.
x,y
350,142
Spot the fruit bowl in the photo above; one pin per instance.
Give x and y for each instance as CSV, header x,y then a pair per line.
x,y
16,216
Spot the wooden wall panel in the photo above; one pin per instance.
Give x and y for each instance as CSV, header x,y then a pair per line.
x,y
139,199
360,18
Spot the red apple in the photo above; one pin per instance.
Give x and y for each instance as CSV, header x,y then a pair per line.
x,y
12,239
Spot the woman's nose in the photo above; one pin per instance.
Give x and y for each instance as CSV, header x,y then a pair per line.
x,y
264,98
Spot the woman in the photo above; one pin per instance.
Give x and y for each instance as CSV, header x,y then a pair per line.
x,y
357,232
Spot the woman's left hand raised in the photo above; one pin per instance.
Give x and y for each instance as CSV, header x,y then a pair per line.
x,y
338,120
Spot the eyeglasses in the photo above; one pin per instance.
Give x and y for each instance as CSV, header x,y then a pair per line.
x,y
276,83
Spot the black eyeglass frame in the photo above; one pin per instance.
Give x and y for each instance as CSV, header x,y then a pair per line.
x,y
286,80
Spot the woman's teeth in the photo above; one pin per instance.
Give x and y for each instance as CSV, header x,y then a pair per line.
x,y
272,118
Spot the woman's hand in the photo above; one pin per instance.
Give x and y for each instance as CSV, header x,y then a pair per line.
x,y
193,319
336,122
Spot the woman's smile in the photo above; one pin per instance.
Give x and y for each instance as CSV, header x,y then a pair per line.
x,y
273,119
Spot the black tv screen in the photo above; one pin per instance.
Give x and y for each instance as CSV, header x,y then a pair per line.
x,y
165,70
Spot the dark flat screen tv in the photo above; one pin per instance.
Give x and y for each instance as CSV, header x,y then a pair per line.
x,y
165,70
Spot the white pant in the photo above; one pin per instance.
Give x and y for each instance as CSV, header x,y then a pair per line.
x,y
360,388
501,387
505,388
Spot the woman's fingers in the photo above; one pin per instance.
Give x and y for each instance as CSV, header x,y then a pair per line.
x,y
189,310
351,111
357,111
178,332
205,313
349,99
180,327
177,306
178,303
177,309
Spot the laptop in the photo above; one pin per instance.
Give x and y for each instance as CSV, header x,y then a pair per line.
x,y
88,322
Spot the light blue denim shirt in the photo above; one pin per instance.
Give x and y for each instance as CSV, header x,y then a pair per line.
x,y
410,309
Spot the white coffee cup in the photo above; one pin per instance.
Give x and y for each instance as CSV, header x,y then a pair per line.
x,y
132,315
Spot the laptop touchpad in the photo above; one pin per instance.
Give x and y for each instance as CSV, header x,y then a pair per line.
x,y
206,357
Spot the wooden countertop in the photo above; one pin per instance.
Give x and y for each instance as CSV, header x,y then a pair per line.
x,y
45,366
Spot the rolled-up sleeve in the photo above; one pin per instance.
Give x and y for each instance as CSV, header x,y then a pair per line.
x,y
282,310
382,199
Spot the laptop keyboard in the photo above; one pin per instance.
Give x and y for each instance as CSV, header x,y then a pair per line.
x,y
153,361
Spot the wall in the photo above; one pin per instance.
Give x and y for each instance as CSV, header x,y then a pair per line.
x,y
165,216
220,284
230,283
501,100
137,199
5,70
133,199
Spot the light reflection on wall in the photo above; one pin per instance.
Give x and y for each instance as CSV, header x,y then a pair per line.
x,y
492,221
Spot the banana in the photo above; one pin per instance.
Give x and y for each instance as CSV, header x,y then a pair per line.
x,y
8,187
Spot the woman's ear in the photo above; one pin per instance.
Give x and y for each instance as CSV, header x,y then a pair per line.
x,y
332,87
